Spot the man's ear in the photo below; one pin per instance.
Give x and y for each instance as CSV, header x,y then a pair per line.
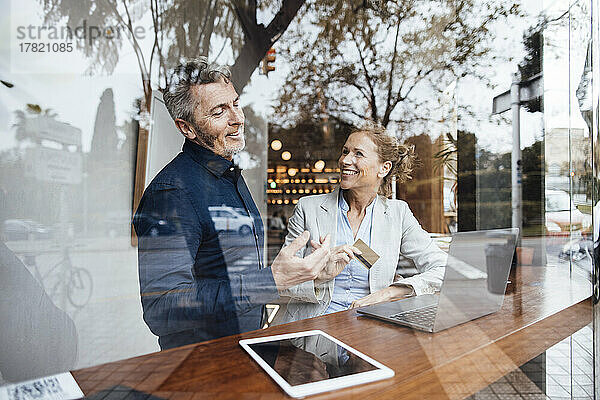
x,y
185,128
384,169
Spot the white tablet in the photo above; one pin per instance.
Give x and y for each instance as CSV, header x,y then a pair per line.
x,y
311,362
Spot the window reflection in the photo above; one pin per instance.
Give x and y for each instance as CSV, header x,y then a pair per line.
x,y
73,163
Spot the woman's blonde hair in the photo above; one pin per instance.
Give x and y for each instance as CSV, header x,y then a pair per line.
x,y
389,148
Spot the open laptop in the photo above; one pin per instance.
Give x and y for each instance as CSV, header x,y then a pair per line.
x,y
474,284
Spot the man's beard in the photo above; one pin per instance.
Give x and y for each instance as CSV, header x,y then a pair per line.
x,y
209,141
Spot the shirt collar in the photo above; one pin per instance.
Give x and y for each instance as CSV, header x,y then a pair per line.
x,y
216,164
345,207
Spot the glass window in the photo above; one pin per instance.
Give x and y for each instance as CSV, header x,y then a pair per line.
x,y
405,125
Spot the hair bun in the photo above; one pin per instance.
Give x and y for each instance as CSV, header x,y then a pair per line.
x,y
405,161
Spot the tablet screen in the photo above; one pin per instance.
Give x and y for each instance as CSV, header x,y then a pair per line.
x,y
310,359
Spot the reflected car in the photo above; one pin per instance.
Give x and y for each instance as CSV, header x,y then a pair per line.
x,y
24,229
231,219
158,226
562,216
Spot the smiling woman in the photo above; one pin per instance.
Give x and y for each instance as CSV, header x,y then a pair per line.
x,y
372,149
360,209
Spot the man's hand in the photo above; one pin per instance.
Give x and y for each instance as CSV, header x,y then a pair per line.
x,y
390,293
339,258
289,270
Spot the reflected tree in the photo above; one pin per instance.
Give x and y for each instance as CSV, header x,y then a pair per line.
x,y
180,28
384,61
533,189
531,66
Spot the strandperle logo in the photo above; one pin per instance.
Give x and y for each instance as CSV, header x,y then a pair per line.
x,y
85,33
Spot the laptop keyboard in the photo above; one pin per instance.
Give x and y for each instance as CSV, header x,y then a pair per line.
x,y
421,316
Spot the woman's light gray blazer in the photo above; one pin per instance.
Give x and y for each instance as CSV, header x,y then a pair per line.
x,y
395,231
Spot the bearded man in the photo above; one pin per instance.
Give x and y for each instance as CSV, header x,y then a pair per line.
x,y
199,280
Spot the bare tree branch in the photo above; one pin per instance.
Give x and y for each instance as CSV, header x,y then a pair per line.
x,y
209,22
372,97
154,14
389,108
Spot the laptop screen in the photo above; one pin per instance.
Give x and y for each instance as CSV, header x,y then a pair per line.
x,y
476,275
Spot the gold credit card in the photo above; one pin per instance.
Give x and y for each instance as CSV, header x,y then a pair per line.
x,y
368,256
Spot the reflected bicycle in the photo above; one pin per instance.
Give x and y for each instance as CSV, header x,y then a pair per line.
x,y
64,278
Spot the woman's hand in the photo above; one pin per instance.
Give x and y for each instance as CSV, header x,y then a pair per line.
x,y
339,258
390,293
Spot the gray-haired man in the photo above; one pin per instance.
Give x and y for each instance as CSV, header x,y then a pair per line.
x,y
198,282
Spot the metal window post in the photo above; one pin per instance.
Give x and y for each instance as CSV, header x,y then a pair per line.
x,y
516,167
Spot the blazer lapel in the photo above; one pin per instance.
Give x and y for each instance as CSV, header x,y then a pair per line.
x,y
381,238
327,216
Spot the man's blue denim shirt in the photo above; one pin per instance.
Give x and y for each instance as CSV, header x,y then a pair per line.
x,y
200,253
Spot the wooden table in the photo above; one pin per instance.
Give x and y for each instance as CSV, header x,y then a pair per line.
x,y
542,307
